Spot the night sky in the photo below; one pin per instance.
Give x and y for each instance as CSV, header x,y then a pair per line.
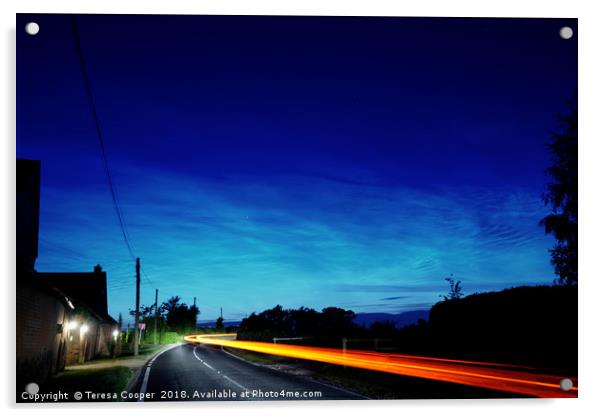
x,y
305,161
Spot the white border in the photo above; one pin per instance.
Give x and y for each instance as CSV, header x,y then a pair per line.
x,y
590,68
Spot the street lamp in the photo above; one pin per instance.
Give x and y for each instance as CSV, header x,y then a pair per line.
x,y
115,334
83,329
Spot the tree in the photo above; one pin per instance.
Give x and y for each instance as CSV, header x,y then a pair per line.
x,y
455,289
178,316
337,322
331,323
146,317
219,323
146,312
561,195
383,329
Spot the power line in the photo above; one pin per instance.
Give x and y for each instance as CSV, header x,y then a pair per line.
x,y
145,276
100,136
84,71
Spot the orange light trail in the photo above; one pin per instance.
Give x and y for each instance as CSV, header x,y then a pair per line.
x,y
501,377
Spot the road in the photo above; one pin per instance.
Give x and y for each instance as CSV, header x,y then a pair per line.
x,y
494,376
205,373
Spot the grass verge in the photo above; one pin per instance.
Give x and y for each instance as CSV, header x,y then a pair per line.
x,y
127,358
258,358
105,380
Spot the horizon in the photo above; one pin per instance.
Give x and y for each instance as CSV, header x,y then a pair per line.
x,y
300,161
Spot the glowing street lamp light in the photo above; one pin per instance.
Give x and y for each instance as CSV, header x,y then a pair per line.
x,y
72,325
83,329
115,334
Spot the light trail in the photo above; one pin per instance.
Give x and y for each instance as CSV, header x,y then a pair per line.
x,y
501,377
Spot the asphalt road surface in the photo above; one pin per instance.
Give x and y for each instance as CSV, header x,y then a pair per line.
x,y
207,373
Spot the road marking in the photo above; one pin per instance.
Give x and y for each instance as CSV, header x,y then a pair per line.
x,y
236,383
202,361
195,355
147,371
210,367
218,372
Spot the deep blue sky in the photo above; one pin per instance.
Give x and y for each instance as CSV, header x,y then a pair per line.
x,y
310,161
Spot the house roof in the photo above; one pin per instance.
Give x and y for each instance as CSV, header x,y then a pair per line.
x,y
89,288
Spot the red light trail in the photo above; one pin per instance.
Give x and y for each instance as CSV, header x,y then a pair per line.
x,y
501,377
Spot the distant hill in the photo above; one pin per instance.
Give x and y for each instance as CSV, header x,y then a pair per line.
x,y
399,320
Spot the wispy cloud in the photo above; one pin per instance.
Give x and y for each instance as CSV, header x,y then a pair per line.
x,y
249,243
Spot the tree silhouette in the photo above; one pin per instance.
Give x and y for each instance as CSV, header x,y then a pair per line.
x,y
455,289
179,316
219,323
561,195
145,312
331,322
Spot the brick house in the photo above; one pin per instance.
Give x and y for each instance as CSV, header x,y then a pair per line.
x,y
62,318
90,291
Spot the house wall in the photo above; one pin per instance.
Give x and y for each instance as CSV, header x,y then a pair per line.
x,y
43,348
39,339
82,347
105,339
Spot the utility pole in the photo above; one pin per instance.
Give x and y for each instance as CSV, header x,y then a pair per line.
x,y
137,315
156,314
221,313
194,303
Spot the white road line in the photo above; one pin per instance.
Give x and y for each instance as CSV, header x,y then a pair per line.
x,y
144,384
147,372
195,355
210,367
215,370
235,383
202,361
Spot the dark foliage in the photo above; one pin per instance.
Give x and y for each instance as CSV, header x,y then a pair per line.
x,y
561,195
386,329
531,325
179,316
219,323
455,289
147,316
327,326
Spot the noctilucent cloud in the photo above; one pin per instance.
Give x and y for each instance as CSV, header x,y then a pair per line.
x,y
302,161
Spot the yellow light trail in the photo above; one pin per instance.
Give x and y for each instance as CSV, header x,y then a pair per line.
x,y
495,376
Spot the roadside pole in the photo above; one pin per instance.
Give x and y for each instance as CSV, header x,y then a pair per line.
x,y
137,315
156,314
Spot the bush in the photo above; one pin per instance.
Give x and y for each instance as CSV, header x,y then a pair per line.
x,y
525,324
170,337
